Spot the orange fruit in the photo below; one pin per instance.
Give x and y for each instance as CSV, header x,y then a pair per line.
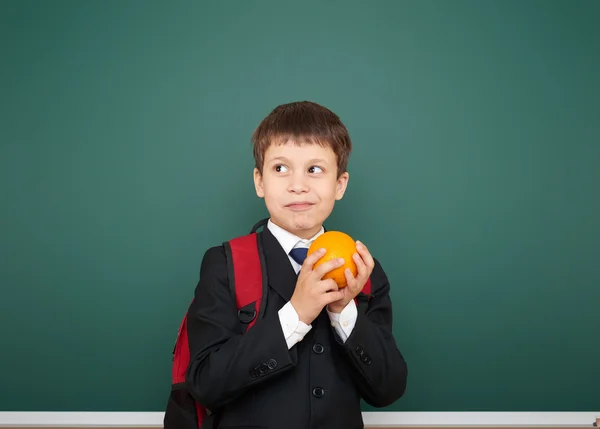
x,y
337,245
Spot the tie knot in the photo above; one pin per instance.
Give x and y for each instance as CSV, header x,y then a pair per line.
x,y
299,254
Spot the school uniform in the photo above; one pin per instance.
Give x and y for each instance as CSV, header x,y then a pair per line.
x,y
282,373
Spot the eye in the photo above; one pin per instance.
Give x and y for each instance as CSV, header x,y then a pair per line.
x,y
280,168
315,169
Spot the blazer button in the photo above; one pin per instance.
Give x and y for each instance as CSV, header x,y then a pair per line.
x,y
359,351
318,348
366,359
254,373
263,368
318,392
272,363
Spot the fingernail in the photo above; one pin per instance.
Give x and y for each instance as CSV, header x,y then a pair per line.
x,y
341,260
356,256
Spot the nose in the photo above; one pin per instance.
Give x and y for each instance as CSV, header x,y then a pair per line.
x,y
297,183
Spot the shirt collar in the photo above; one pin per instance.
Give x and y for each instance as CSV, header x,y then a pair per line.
x,y
287,240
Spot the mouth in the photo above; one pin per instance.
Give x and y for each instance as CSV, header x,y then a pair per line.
x,y
299,206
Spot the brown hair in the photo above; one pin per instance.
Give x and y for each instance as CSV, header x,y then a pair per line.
x,y
304,122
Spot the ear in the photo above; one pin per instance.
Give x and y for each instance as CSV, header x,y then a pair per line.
x,y
258,183
342,183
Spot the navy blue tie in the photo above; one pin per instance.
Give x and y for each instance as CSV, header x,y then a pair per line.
x,y
299,254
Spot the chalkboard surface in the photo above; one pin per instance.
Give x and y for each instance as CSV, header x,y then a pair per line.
x,y
125,154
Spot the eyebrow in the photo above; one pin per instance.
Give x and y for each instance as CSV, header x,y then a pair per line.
x,y
284,159
278,158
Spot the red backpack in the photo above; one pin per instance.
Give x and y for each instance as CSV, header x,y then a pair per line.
x,y
244,254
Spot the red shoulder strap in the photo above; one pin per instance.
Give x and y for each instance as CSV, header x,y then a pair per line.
x,y
245,277
367,287
247,272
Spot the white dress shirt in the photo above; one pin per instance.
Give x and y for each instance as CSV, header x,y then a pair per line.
x,y
294,330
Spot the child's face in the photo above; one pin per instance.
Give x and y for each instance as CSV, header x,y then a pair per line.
x,y
300,186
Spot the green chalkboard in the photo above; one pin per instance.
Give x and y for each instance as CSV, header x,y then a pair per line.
x,y
125,153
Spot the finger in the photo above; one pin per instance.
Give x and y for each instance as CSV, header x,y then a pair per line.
x,y
328,285
328,298
363,271
324,268
350,279
355,284
313,258
365,254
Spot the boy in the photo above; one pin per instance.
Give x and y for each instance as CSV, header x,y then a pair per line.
x,y
315,354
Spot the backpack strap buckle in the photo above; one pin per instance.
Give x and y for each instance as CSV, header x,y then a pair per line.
x,y
246,315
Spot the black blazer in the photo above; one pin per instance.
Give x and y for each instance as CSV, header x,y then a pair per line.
x,y
252,380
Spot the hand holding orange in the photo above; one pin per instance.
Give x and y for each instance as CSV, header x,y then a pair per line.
x,y
337,245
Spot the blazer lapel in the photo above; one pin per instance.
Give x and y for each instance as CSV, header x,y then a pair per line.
x,y
280,273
